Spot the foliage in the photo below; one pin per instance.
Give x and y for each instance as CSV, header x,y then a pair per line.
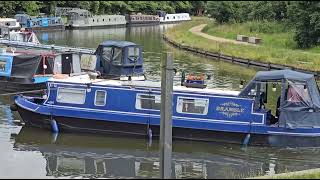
x,y
270,51
305,17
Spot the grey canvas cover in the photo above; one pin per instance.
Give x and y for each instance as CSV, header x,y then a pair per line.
x,y
301,102
24,67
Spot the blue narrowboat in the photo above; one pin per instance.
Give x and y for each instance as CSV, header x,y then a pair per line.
x,y
132,106
40,23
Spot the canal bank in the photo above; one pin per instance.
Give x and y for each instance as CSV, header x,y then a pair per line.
x,y
181,37
305,174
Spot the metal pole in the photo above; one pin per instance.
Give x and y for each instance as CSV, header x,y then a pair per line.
x,y
166,115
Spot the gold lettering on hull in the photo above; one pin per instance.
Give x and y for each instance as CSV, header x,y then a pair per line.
x,y
230,109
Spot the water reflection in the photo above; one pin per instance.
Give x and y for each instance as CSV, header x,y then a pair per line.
x,y
97,156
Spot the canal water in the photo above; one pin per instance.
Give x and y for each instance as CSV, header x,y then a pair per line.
x,y
35,153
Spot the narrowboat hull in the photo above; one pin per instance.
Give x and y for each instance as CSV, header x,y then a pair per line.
x,y
79,125
111,127
96,26
16,87
48,28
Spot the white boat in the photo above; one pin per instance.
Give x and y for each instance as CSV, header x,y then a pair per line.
x,y
81,18
173,18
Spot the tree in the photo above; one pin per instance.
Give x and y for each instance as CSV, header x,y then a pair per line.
x,y
222,11
7,8
198,7
32,7
305,17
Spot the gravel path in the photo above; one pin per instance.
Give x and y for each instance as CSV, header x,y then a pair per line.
x,y
197,30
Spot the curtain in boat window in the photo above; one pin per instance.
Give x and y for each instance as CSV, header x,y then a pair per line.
x,y
148,102
192,105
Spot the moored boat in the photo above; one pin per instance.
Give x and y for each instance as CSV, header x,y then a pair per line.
x,y
41,23
142,19
132,105
24,71
81,18
173,18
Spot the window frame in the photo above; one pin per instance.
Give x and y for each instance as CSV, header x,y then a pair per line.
x,y
105,97
84,90
138,101
179,108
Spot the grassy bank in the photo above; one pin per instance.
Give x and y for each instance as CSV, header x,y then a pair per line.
x,y
278,48
305,174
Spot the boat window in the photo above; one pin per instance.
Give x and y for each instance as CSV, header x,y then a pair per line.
x,y
117,56
148,101
192,105
100,98
107,53
3,65
298,92
133,53
71,95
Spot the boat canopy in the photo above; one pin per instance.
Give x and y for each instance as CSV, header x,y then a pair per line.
x,y
300,98
119,44
119,58
24,67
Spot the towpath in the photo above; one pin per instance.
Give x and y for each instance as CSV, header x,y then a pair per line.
x,y
197,30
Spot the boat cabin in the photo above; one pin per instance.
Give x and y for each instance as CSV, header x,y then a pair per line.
x,y
10,23
120,60
22,36
30,67
298,103
29,22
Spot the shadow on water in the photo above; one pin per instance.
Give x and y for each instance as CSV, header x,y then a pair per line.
x,y
92,156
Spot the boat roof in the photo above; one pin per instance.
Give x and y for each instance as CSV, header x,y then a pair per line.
x,y
282,74
117,43
84,79
7,19
78,11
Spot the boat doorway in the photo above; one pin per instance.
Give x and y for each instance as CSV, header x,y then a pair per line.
x,y
269,100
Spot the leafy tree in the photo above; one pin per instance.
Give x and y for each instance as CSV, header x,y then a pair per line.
x,y
32,7
7,8
198,7
305,17
222,11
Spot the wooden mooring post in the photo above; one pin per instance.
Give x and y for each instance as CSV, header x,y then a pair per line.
x,y
166,115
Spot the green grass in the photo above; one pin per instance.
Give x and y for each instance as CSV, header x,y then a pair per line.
x,y
304,174
273,34
278,46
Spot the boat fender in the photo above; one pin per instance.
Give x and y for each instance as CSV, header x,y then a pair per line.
x,y
246,139
13,107
54,137
54,126
150,133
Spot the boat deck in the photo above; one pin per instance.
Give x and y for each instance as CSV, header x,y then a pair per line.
x,y
84,79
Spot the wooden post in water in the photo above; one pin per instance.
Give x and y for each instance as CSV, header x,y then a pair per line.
x,y
166,115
